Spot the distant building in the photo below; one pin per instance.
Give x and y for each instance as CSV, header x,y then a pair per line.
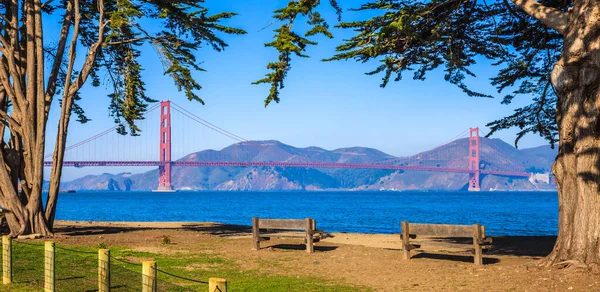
x,y
540,177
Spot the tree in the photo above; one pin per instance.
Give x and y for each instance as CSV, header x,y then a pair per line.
x,y
547,50
111,34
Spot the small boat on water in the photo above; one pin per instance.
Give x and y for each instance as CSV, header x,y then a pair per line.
x,y
164,191
67,191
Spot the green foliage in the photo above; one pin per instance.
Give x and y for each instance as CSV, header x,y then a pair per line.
x,y
417,36
288,42
165,239
421,36
183,28
449,35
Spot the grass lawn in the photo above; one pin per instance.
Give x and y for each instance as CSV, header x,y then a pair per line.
x,y
76,270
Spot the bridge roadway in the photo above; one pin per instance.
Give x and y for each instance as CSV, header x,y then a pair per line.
x,y
287,164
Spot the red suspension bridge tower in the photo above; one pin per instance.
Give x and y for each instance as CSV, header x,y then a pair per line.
x,y
475,173
164,169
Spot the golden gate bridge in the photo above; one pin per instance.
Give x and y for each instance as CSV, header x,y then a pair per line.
x,y
109,148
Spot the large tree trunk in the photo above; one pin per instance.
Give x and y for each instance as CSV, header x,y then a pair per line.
x,y
58,158
577,167
24,213
22,157
22,83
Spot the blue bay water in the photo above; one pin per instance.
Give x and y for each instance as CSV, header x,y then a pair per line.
x,y
503,213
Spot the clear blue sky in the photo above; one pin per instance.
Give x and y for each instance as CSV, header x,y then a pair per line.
x,y
330,105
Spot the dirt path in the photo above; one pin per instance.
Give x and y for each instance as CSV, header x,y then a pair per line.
x,y
372,260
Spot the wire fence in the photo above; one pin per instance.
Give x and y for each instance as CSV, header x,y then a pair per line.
x,y
76,269
24,269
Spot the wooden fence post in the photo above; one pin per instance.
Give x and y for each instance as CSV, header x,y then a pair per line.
x,y
6,259
49,265
103,270
217,285
477,237
149,283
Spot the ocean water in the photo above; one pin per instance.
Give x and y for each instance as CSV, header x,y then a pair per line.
x,y
503,213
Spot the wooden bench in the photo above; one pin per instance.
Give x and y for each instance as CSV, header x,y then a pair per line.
x,y
286,228
475,231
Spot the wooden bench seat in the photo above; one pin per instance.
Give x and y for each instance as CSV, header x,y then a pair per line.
x,y
264,229
475,231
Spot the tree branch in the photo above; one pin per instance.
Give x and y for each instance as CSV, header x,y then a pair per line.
x,y
551,17
10,122
58,57
129,41
92,53
72,53
17,95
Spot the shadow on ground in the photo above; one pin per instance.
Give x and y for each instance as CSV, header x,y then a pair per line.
x,y
212,229
300,247
532,246
454,258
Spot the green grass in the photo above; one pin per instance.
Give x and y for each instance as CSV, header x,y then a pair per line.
x,y
76,270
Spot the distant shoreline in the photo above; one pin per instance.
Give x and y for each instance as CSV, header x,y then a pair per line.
x,y
311,191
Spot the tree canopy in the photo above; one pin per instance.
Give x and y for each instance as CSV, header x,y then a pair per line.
x,y
448,35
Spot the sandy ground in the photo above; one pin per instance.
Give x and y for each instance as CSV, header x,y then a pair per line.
x,y
372,260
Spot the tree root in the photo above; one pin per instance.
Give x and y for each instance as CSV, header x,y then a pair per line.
x,y
568,265
30,236
571,264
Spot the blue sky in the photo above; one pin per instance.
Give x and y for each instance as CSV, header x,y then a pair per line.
x,y
330,105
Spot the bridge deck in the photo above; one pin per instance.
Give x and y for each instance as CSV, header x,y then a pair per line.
x,y
286,164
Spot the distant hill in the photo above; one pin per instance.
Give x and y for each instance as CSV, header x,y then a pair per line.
x,y
503,155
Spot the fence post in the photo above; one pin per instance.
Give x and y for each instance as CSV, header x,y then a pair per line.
x,y
103,270
217,285
49,264
149,283
6,259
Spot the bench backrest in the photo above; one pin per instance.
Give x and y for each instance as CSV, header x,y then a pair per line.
x,y
444,230
283,224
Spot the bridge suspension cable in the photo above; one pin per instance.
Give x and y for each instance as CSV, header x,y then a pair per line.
x,y
99,135
206,123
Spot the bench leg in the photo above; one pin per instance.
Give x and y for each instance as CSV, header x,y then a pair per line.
x,y
309,236
478,257
255,234
405,240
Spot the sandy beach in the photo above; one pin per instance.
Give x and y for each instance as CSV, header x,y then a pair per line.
x,y
366,260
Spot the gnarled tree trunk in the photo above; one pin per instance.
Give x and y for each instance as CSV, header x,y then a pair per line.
x,y
576,78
